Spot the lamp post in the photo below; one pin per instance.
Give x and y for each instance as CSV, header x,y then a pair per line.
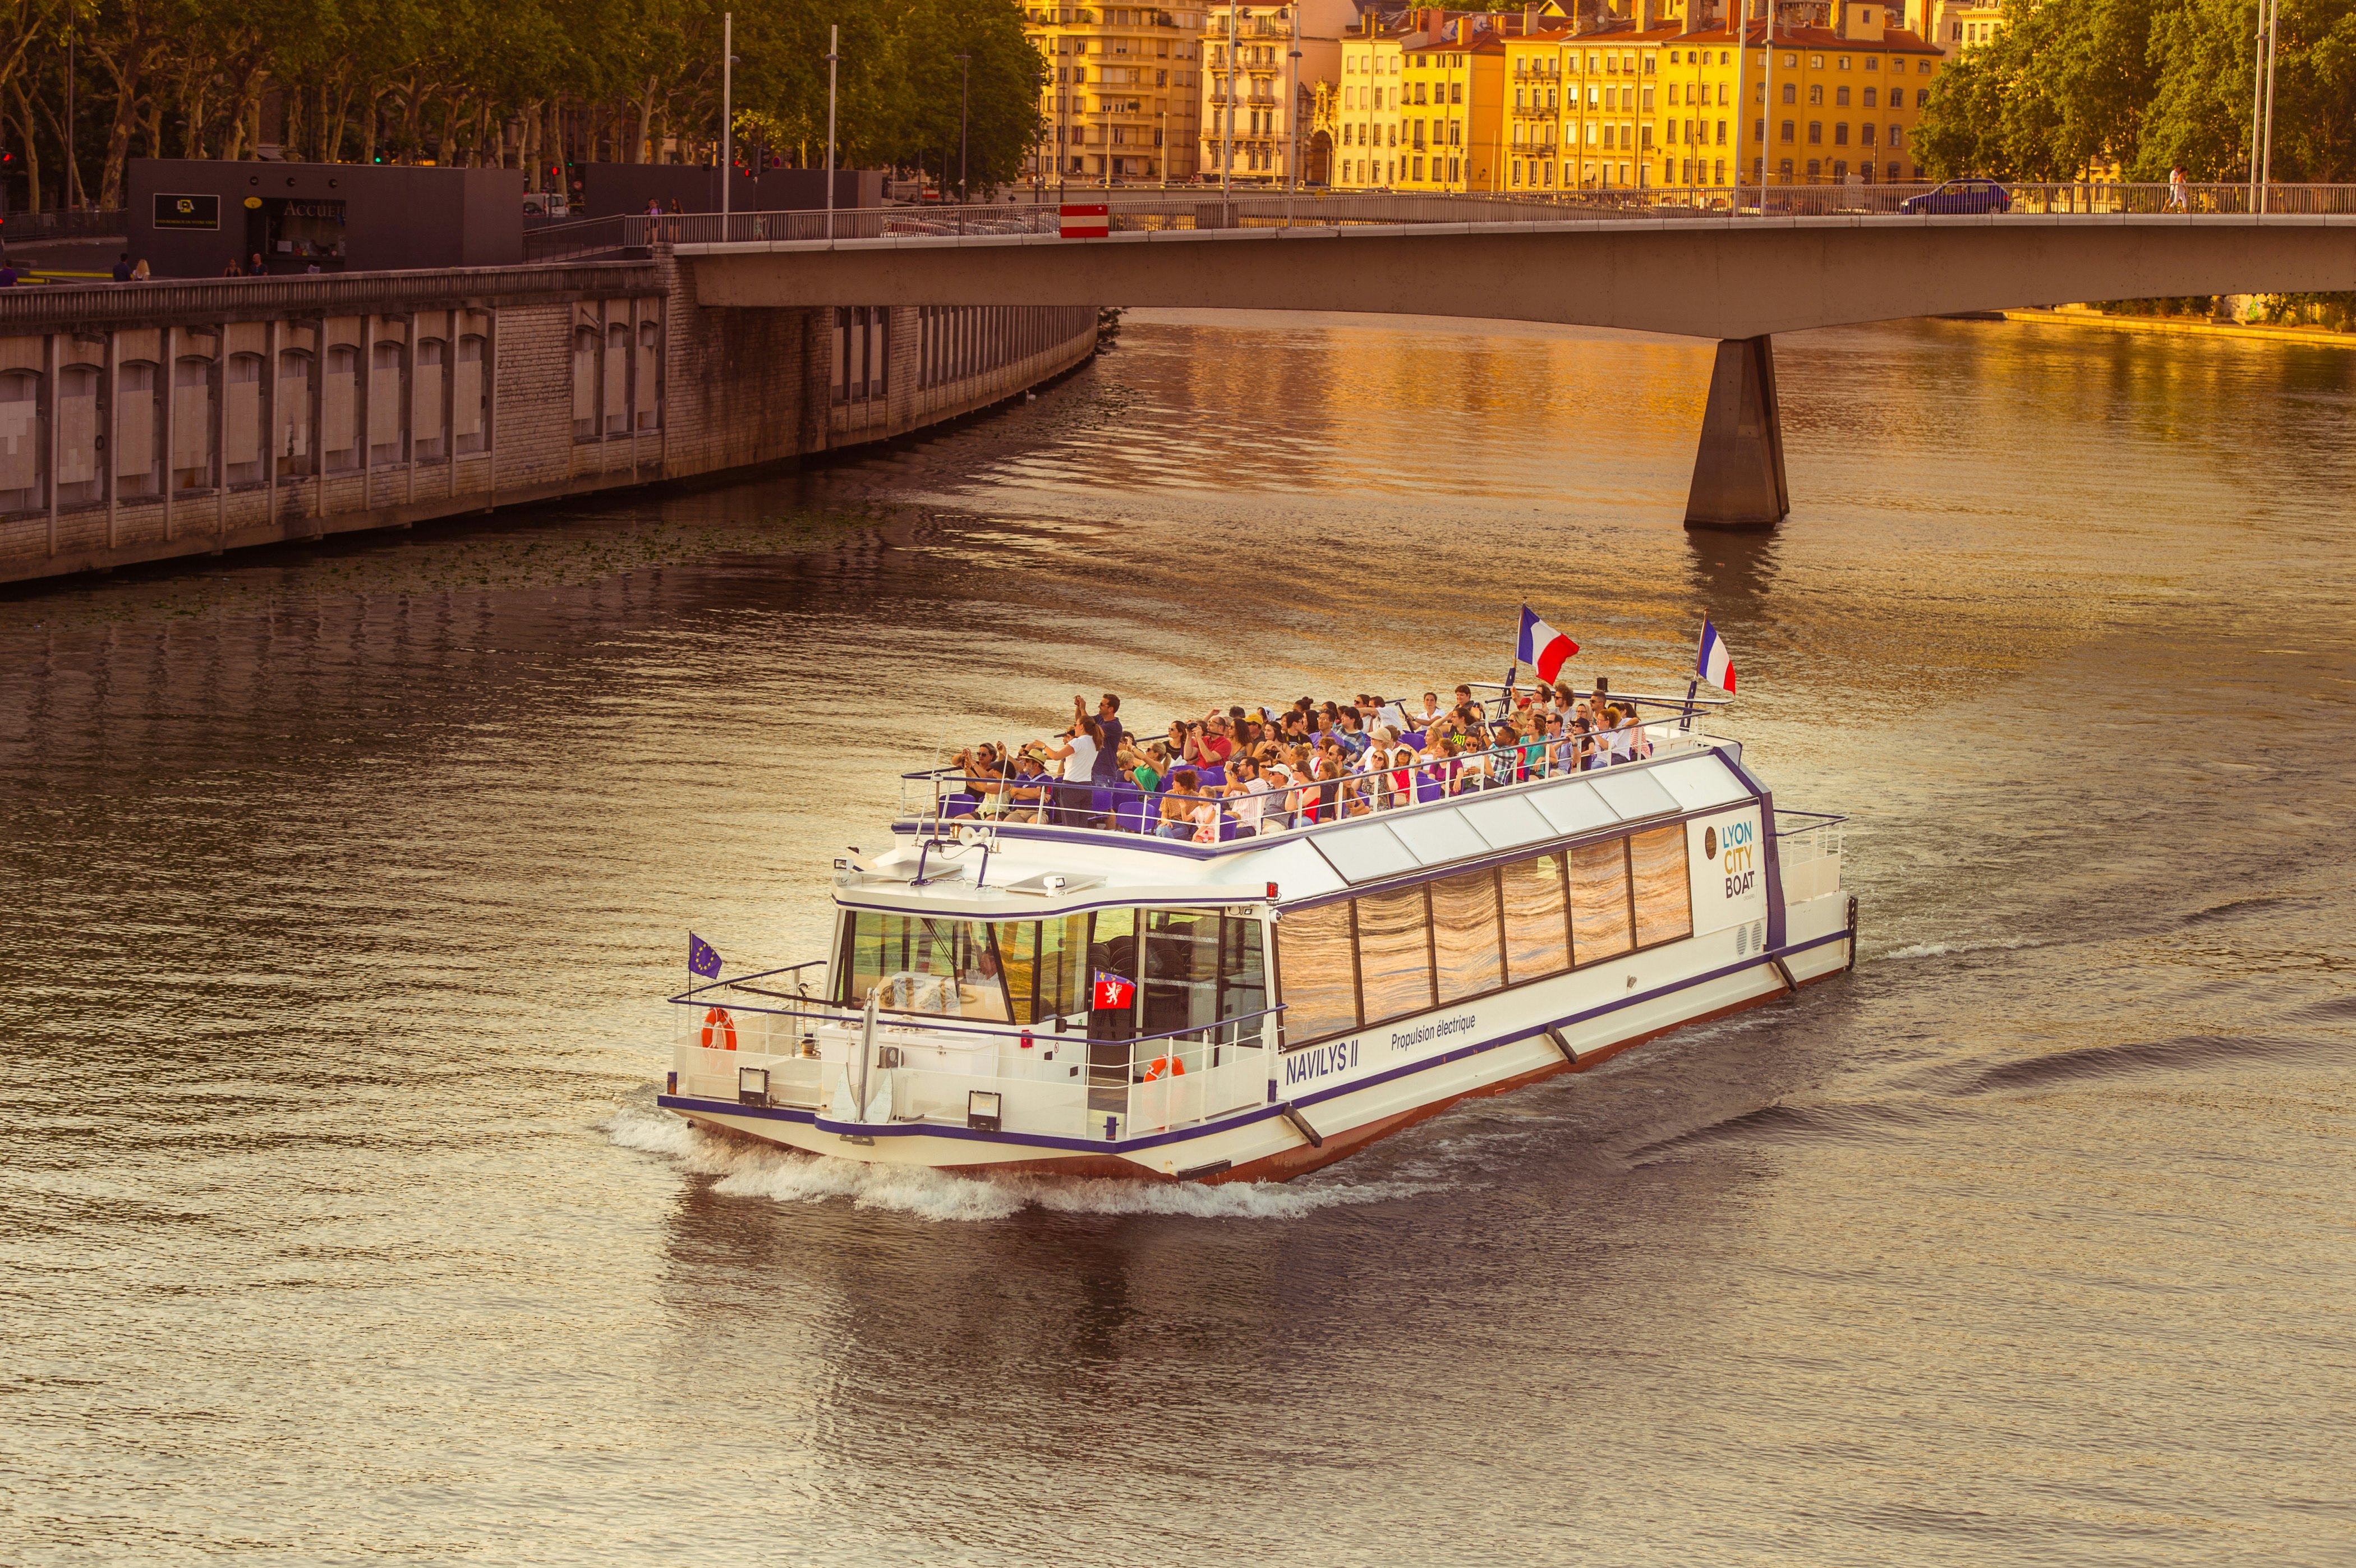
x,y
1228,98
833,54
965,103
1292,110
727,113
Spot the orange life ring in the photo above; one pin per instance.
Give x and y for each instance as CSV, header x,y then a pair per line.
x,y
1166,1066
716,1021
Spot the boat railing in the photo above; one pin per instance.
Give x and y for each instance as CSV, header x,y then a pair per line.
x,y
948,798
1032,1078
1808,845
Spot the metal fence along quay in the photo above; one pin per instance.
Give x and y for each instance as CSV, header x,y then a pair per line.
x,y
1131,212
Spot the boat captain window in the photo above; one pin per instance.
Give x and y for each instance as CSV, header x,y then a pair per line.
x,y
948,969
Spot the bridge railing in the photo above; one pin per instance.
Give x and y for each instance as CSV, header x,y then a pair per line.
x,y
1130,212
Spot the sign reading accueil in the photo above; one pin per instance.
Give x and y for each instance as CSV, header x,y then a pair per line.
x,y
186,211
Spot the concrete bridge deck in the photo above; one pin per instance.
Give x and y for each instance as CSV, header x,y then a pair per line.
x,y
1737,277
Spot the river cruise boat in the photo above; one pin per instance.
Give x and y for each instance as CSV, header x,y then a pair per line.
x,y
1091,1000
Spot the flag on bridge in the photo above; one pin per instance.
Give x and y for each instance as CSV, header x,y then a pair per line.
x,y
1113,991
701,958
1541,647
1086,220
1715,666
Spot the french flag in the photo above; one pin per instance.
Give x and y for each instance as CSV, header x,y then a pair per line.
x,y
1542,648
1715,666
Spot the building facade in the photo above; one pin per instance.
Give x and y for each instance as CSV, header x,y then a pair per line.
x,y
1539,103
1122,102
1263,66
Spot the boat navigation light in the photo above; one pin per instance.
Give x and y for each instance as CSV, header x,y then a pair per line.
x,y
1271,892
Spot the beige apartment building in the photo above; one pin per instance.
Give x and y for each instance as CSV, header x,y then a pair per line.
x,y
1263,66
1122,101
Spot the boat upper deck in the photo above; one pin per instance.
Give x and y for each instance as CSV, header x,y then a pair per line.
x,y
956,861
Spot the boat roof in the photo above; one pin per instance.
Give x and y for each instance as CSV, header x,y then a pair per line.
x,y
955,867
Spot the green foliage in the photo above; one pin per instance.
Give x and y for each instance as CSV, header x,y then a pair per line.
x,y
519,82
2061,88
2149,84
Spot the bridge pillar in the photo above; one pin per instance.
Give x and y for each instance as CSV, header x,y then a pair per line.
x,y
1737,478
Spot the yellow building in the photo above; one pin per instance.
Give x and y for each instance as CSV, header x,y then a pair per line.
x,y
1123,95
1827,103
1610,84
1373,81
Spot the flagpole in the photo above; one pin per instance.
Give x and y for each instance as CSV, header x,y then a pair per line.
x,y
1693,686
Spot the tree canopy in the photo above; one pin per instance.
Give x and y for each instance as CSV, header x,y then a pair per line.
x,y
523,83
2148,85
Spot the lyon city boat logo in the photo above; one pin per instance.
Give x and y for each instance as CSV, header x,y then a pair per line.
x,y
1739,866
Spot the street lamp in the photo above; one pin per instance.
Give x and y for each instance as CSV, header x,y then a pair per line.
x,y
965,100
1292,112
833,55
727,113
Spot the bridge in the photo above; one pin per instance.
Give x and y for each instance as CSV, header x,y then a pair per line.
x,y
1736,275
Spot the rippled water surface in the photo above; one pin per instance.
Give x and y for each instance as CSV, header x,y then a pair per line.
x,y
342,885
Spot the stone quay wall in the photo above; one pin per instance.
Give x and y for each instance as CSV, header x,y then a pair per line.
x,y
142,421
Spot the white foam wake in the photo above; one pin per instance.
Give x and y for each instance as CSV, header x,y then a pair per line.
x,y
749,1169
1943,950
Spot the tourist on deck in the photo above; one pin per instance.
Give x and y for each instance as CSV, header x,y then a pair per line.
x,y
1177,821
1026,793
985,778
1078,754
1138,767
1108,722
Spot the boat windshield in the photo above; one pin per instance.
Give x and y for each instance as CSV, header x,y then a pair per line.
x,y
950,969
1199,967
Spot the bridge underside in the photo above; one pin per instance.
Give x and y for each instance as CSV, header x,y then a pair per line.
x,y
1736,280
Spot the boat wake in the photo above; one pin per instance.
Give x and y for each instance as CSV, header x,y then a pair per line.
x,y
1948,950
788,1176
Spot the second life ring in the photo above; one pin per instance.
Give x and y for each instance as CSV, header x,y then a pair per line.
x,y
719,1030
1166,1066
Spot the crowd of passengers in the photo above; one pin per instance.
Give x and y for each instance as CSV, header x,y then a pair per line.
x,y
1256,771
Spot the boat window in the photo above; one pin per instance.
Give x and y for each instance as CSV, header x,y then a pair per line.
x,y
1464,936
919,964
1112,953
1314,948
1664,893
1181,968
1394,954
1600,924
1243,976
1538,927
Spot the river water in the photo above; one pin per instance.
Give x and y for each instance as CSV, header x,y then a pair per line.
x,y
342,885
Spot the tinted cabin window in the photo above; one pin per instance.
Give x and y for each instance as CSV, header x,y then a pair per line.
x,y
1664,895
1394,954
1465,939
1321,991
1538,928
1599,922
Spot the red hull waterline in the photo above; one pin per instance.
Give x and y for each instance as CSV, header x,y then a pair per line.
x,y
1304,1158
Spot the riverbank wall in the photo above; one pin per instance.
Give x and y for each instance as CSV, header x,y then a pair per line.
x,y
2183,327
142,423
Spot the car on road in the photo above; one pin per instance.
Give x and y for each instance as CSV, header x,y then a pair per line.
x,y
1961,196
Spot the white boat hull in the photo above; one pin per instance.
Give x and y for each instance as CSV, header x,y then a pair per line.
x,y
1330,1100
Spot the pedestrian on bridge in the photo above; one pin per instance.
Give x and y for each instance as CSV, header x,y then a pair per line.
x,y
2176,189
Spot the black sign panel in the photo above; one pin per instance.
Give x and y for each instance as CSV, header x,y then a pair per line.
x,y
187,211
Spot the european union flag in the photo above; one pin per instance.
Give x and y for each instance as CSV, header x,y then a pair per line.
x,y
701,958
